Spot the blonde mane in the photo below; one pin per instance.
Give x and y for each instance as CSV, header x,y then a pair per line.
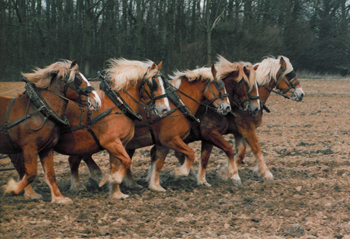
x,y
225,67
203,74
269,68
42,77
125,73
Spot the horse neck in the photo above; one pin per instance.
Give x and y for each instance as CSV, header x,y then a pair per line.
x,y
130,101
56,103
265,93
195,90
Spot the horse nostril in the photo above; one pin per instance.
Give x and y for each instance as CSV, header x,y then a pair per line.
x,y
228,109
164,111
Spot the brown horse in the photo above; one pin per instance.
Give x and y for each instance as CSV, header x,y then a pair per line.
x,y
212,124
112,127
236,80
29,121
192,88
270,73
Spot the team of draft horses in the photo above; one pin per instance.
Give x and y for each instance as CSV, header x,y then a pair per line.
x,y
136,106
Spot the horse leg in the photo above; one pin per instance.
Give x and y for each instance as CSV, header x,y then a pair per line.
x,y
94,169
205,154
120,162
261,167
181,158
230,168
179,146
30,156
158,155
46,157
129,179
241,146
18,162
76,185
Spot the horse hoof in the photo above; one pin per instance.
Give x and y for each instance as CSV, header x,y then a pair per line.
x,y
62,200
10,187
179,172
75,188
32,196
237,183
205,183
119,195
157,188
268,177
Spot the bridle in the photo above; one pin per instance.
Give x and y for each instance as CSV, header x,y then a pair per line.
x,y
153,86
75,86
288,79
219,85
247,97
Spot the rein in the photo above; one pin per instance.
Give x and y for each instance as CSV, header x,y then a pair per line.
x,y
207,105
290,77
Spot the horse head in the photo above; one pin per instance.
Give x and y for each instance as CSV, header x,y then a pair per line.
x,y
153,91
278,73
287,81
239,79
64,79
215,91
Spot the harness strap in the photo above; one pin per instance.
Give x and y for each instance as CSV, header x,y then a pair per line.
x,y
40,103
119,101
176,100
88,127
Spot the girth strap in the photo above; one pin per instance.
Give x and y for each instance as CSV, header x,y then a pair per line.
x,y
90,122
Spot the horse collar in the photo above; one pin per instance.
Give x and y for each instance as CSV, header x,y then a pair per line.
x,y
119,101
41,104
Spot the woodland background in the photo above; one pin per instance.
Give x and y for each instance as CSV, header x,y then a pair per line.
x,y
184,34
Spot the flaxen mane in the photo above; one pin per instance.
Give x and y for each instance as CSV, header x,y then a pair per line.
x,y
225,67
203,73
125,73
42,77
268,69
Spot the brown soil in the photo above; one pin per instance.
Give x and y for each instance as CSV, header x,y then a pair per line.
x,y
306,145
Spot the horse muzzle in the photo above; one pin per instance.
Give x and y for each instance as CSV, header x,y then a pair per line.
x,y
223,108
298,94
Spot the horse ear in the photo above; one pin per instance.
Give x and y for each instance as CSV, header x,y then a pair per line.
x,y
246,70
283,63
256,67
160,65
153,66
74,62
213,70
53,74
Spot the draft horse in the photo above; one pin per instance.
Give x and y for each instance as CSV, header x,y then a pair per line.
x,y
270,74
235,80
29,123
243,97
127,86
190,88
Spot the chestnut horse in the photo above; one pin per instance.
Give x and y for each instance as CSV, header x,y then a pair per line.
x,y
238,79
29,122
112,127
270,73
192,88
